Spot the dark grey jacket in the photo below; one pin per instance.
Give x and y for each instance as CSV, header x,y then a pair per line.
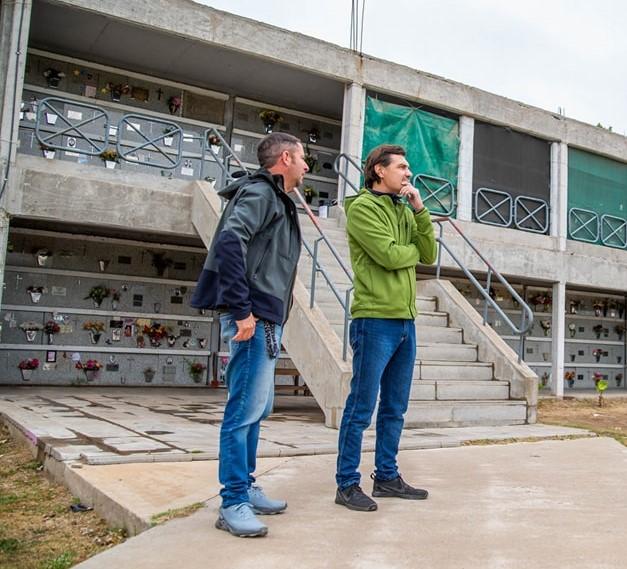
x,y
251,265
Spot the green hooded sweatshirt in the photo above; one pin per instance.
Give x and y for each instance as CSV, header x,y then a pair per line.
x,y
386,241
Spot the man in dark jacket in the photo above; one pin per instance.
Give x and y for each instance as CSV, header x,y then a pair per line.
x,y
248,277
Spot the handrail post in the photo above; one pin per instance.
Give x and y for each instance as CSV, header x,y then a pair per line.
x,y
347,303
314,272
439,265
487,289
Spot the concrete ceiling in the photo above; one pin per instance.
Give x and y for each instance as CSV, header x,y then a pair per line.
x,y
103,39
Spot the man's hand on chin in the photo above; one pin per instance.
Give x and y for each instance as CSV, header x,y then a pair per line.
x,y
412,195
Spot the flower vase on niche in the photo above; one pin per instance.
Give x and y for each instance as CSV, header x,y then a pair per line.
x,y
202,342
103,264
50,329
149,374
97,294
30,335
172,340
95,329
572,330
43,256
90,369
35,293
27,367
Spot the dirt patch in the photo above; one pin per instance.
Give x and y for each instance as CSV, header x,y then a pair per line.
x,y
37,528
609,420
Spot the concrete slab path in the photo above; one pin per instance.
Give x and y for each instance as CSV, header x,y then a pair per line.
x,y
544,505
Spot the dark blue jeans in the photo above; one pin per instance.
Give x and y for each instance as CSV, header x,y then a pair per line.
x,y
384,352
250,382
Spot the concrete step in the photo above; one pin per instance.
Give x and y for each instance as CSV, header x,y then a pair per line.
x,y
437,334
445,370
430,390
446,352
423,319
465,413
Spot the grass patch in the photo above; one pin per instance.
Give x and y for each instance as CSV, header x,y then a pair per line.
x,y
175,513
488,442
37,528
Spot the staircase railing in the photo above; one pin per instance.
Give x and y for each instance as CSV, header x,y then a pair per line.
x,y
526,319
526,312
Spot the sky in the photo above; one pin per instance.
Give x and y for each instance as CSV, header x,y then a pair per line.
x,y
546,53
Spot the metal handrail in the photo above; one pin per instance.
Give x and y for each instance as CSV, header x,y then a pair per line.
x,y
224,161
343,173
318,268
526,321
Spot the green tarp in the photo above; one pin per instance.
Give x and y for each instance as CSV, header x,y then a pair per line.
x,y
431,141
597,184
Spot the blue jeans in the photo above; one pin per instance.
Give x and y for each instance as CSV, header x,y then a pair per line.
x,y
250,382
384,352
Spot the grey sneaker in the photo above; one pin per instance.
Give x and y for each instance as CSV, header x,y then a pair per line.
x,y
240,521
396,488
261,504
353,498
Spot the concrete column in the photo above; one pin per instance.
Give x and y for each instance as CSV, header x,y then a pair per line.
x,y
559,193
464,174
353,117
14,27
558,328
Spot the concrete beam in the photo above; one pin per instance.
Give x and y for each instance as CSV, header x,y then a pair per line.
x,y
244,35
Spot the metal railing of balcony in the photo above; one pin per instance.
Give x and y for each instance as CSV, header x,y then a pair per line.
x,y
583,225
130,151
437,194
52,125
531,214
613,231
526,319
493,207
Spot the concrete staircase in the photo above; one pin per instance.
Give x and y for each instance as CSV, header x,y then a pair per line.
x,y
451,387
464,373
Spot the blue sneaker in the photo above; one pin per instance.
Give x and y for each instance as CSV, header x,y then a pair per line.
x,y
241,521
261,504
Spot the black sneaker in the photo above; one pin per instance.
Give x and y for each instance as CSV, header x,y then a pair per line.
x,y
353,498
396,488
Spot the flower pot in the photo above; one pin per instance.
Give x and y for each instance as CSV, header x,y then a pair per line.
x,y
90,374
35,297
103,263
49,154
30,335
215,148
114,304
95,337
97,303
545,356
571,382
308,199
597,358
202,342
110,164
149,376
572,357
26,374
597,312
30,116
619,359
167,141
197,377
618,382
50,339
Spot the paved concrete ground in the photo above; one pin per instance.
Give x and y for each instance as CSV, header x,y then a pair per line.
x,y
544,505
133,425
136,453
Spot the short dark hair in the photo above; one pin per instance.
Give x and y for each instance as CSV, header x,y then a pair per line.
x,y
270,148
380,155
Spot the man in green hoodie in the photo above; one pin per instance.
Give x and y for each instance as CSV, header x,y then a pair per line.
x,y
387,238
